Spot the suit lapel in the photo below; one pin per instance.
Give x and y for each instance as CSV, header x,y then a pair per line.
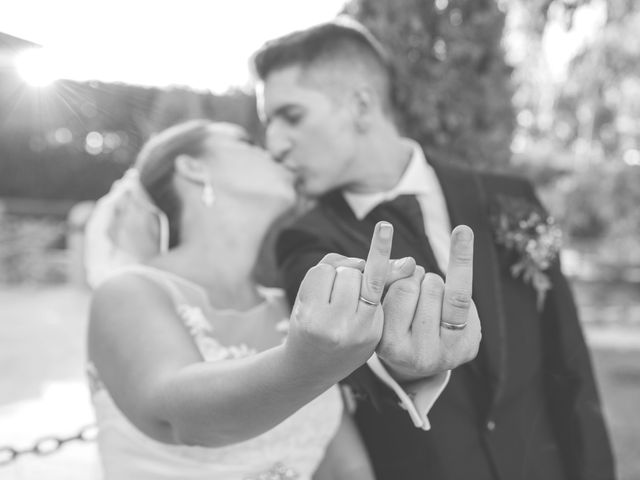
x,y
466,202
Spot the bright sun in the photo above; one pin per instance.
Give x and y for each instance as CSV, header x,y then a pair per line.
x,y
37,67
196,43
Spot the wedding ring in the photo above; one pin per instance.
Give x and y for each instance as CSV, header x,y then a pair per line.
x,y
453,326
368,302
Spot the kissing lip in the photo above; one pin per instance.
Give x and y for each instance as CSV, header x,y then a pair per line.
x,y
293,171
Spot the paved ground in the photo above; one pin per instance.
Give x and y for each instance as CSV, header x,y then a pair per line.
x,y
42,389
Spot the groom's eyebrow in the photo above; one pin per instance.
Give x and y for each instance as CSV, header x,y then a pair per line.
x,y
281,111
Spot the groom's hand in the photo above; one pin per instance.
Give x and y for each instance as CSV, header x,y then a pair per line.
x,y
431,325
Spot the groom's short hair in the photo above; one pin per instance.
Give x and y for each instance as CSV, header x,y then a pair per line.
x,y
340,48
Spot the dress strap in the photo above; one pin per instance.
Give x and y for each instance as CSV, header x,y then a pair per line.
x,y
191,315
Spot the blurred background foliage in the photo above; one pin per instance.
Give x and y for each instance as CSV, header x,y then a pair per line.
x,y
465,93
453,85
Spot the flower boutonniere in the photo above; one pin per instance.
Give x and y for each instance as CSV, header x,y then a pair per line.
x,y
526,230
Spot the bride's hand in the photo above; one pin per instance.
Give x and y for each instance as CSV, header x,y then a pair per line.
x,y
337,320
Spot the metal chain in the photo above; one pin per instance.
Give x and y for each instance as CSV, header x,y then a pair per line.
x,y
47,445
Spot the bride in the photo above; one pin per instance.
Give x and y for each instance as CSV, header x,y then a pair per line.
x,y
198,372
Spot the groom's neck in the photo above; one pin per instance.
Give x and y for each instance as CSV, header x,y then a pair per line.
x,y
380,163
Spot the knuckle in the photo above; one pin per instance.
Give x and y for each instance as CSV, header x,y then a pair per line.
x,y
419,272
323,268
463,256
319,273
333,337
459,299
382,248
433,286
331,258
433,280
330,337
350,272
407,288
375,284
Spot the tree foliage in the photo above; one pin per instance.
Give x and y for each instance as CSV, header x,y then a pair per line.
x,y
588,125
598,108
453,87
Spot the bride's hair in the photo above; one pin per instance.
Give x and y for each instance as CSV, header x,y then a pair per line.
x,y
156,164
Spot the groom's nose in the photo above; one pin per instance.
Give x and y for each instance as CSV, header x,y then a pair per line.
x,y
278,144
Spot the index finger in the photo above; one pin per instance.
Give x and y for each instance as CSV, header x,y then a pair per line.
x,y
376,269
459,280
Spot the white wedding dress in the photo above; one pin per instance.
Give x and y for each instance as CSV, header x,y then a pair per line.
x,y
291,450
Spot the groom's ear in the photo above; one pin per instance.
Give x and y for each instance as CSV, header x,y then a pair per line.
x,y
363,103
190,169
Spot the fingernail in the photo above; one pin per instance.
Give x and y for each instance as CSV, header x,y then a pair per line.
x,y
465,234
386,230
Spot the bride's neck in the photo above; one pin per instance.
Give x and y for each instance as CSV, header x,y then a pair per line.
x,y
222,266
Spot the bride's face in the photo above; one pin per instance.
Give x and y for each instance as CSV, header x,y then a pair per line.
x,y
241,170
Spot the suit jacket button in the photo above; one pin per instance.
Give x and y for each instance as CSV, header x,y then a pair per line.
x,y
491,425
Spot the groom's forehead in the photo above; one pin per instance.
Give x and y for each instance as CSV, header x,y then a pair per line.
x,y
296,85
281,88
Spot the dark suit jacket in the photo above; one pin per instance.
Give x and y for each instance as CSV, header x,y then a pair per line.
x,y
527,407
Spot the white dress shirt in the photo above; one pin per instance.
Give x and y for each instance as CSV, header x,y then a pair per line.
x,y
418,179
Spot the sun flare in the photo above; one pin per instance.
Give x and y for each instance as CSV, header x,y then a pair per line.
x,y
37,67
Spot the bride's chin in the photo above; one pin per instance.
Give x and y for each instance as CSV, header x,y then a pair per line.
x,y
285,202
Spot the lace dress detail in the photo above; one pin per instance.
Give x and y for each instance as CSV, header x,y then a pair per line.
x,y
291,450
202,333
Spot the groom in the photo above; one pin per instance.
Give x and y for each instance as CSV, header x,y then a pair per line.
x,y
527,407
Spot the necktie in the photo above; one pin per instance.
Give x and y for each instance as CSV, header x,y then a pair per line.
x,y
405,214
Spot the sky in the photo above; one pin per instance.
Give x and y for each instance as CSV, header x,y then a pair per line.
x,y
204,44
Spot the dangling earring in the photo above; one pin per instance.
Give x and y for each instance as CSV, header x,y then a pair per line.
x,y
208,195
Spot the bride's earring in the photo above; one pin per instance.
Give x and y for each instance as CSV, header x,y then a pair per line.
x,y
208,195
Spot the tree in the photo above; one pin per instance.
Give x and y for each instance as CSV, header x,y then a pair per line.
x,y
603,88
453,88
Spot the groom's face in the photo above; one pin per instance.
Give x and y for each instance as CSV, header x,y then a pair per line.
x,y
307,130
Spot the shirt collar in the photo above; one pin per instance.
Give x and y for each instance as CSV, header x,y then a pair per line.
x,y
414,181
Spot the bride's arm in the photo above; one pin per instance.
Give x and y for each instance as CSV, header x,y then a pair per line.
x,y
346,457
157,377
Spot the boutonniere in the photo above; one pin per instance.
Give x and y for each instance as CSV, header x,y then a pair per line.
x,y
524,229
